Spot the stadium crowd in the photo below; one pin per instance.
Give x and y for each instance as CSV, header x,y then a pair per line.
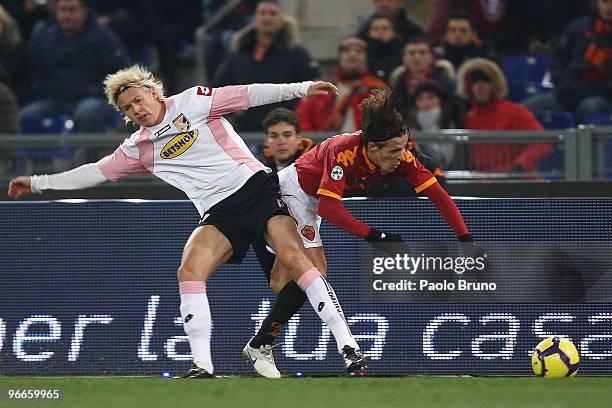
x,y
470,66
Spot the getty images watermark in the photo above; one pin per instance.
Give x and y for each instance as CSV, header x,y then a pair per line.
x,y
430,267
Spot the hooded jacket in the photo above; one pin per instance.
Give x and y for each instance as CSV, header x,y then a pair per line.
x,y
283,62
499,114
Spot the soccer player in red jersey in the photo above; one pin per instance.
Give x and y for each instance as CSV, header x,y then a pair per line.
x,y
313,186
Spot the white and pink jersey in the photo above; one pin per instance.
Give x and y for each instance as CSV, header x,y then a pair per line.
x,y
194,148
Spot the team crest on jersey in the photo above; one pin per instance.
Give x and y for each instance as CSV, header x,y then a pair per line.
x,y
337,173
178,144
308,232
181,122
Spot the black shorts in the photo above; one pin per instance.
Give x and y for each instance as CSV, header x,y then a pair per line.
x,y
242,216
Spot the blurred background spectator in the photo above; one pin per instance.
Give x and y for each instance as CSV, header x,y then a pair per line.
x,y
419,64
174,23
501,23
30,15
483,82
430,109
129,19
68,61
341,112
266,51
547,19
461,40
384,46
582,67
11,62
219,37
283,141
396,10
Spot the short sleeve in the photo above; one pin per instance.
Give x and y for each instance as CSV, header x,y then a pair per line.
x,y
333,180
416,173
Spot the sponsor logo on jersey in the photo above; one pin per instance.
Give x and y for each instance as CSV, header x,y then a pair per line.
x,y
178,144
308,232
181,122
204,91
337,173
163,130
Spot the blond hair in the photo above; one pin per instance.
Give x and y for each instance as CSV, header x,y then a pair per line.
x,y
131,77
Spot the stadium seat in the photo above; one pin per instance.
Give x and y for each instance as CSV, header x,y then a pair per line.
x,y
525,67
556,120
601,119
525,74
24,158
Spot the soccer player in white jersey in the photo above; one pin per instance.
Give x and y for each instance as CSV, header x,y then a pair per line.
x,y
185,140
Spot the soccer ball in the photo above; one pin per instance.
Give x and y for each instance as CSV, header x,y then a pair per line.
x,y
555,357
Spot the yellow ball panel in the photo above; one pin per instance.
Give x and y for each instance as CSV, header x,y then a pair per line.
x,y
554,366
570,350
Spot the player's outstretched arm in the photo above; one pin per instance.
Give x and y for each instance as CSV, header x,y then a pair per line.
x,y
262,94
88,175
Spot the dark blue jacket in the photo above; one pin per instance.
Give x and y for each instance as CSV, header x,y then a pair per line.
x,y
569,66
68,69
283,62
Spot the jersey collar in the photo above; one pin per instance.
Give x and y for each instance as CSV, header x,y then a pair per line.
x,y
371,165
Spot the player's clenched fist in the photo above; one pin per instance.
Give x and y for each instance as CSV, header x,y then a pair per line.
x,y
19,186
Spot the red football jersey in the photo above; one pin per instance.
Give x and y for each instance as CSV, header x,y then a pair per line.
x,y
340,164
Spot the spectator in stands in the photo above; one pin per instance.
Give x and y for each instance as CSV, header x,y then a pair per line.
x,y
582,67
546,20
174,25
483,82
461,40
130,20
501,23
283,139
431,108
266,51
384,46
219,36
396,9
69,60
10,63
30,15
419,64
341,112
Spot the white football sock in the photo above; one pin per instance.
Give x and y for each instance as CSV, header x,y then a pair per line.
x,y
323,300
197,322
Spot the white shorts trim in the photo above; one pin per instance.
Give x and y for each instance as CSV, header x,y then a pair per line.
x,y
302,207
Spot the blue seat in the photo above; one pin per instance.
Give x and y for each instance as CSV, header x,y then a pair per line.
x,y
524,68
44,125
601,119
525,74
556,120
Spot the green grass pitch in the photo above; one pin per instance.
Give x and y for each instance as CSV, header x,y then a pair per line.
x,y
421,392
